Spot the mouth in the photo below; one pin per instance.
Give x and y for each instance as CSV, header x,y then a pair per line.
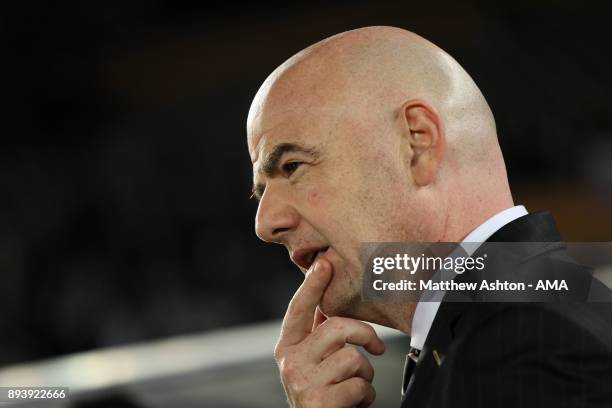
x,y
305,257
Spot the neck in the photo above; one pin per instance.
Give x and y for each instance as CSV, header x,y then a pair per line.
x,y
473,214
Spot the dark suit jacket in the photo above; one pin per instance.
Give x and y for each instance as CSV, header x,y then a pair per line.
x,y
517,354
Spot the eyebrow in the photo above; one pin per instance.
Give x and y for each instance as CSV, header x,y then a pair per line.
x,y
269,166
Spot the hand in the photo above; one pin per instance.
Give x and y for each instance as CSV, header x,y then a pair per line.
x,y
317,367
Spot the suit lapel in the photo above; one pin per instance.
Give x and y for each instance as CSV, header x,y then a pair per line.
x,y
434,352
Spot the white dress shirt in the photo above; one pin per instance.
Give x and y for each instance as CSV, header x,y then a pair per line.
x,y
425,312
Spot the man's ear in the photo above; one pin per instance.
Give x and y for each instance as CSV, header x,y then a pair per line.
x,y
424,140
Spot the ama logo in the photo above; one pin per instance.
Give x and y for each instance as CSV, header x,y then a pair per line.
x,y
551,285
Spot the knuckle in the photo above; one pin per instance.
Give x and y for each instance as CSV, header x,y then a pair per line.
x,y
287,368
299,389
370,330
277,352
353,354
297,379
295,308
361,386
312,398
335,323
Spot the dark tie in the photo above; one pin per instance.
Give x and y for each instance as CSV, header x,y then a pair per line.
x,y
411,359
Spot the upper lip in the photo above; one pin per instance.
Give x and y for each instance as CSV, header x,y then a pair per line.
x,y
304,257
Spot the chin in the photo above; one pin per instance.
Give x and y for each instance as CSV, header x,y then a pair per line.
x,y
342,297
334,304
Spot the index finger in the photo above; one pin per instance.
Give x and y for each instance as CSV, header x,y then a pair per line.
x,y
298,320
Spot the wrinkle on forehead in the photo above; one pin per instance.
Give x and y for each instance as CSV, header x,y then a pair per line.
x,y
295,125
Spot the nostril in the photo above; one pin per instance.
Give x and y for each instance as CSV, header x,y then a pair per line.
x,y
278,231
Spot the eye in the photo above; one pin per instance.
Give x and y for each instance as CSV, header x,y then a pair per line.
x,y
290,167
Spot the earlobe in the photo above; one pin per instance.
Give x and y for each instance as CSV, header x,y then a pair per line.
x,y
425,137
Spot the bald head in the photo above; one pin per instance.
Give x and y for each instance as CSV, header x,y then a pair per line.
x,y
368,70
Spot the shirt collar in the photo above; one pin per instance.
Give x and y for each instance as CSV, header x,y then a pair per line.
x,y
425,312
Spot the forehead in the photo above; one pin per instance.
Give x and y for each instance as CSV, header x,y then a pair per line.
x,y
314,126
298,102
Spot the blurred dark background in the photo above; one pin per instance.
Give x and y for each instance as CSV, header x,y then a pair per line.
x,y
124,170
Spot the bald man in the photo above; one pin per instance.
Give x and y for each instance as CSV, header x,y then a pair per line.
x,y
378,135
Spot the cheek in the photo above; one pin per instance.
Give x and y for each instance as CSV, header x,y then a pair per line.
x,y
317,207
314,198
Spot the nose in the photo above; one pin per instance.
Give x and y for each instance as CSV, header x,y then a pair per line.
x,y
275,217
